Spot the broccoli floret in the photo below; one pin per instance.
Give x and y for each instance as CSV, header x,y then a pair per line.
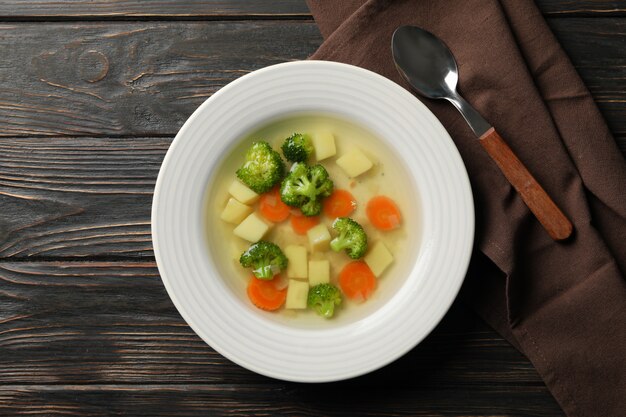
x,y
351,237
263,167
265,258
297,147
305,186
323,298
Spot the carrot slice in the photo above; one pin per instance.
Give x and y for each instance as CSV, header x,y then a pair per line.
x,y
272,207
383,213
339,204
357,281
301,223
265,294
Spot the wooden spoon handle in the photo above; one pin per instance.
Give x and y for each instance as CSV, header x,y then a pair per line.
x,y
535,197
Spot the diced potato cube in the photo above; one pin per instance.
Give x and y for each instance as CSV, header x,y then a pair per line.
x,y
324,144
319,272
242,193
297,266
378,258
252,229
297,294
319,237
354,163
235,212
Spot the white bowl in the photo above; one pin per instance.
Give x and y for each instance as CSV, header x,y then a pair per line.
x,y
303,354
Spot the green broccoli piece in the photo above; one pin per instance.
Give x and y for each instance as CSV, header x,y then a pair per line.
x,y
265,258
297,147
323,298
263,168
351,237
305,186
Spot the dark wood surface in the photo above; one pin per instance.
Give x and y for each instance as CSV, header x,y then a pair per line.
x,y
91,95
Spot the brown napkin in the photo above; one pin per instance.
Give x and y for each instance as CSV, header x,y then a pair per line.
x,y
562,304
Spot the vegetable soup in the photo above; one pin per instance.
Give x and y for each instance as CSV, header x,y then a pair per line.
x,y
313,221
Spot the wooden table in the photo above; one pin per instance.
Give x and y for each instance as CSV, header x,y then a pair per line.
x,y
91,95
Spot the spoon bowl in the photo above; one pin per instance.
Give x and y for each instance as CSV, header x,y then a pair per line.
x,y
429,66
433,71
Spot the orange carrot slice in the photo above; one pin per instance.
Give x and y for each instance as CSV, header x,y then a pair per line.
x,y
265,294
357,281
339,204
383,213
301,223
272,207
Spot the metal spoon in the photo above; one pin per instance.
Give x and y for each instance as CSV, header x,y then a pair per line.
x,y
427,64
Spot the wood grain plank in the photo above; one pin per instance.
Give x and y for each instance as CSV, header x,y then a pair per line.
x,y
70,323
151,9
130,78
567,8
115,79
221,8
77,197
267,400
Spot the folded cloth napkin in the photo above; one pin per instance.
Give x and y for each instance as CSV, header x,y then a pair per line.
x,y
562,304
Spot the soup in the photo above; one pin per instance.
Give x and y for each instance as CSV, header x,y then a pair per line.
x,y
364,171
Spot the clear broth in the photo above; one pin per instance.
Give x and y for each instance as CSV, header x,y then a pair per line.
x,y
388,177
